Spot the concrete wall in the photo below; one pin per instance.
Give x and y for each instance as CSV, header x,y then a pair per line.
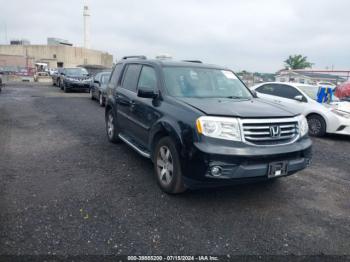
x,y
15,61
68,55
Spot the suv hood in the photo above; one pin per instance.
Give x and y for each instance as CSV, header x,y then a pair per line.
x,y
254,108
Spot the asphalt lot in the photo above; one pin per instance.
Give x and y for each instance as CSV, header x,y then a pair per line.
x,y
65,190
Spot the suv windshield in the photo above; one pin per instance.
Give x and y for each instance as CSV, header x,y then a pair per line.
x,y
204,83
76,71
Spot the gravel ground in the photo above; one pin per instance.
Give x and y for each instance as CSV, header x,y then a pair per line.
x,y
65,190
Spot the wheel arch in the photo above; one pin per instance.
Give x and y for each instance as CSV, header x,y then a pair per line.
x,y
318,114
109,104
163,129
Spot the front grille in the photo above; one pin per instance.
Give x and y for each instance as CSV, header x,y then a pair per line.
x,y
270,131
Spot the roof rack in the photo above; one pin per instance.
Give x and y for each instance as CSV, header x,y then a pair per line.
x,y
193,61
134,56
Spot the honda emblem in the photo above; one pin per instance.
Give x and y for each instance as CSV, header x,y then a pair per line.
x,y
275,131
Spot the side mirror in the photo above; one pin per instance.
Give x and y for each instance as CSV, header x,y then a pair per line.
x,y
63,74
146,92
97,82
299,98
254,93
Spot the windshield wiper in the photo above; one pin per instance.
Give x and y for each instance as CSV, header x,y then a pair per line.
x,y
236,97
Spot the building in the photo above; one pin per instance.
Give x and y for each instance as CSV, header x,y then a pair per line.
x,y
58,41
54,56
309,76
251,79
19,42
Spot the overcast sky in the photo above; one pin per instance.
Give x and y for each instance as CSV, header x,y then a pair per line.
x,y
255,35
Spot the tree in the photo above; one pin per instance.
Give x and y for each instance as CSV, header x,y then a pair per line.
x,y
297,62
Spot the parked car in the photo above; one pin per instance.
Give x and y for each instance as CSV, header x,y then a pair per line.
x,y
98,87
343,91
56,77
201,126
0,82
52,71
75,78
41,76
322,118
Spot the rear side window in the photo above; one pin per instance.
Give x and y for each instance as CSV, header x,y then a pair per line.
x,y
148,78
267,89
284,91
105,78
116,74
131,77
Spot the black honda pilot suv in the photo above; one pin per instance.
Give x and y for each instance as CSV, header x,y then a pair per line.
x,y
201,126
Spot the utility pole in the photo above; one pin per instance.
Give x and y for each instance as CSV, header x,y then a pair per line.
x,y
86,15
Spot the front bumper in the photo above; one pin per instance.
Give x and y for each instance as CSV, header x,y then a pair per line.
x,y
342,127
77,85
242,165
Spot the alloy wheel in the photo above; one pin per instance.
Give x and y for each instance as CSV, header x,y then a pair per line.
x,y
314,126
110,125
165,166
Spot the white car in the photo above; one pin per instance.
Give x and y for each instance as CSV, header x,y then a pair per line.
x,y
301,98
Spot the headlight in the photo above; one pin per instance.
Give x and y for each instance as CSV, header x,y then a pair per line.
x,y
341,113
303,126
219,127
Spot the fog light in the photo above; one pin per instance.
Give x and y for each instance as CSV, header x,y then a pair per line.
x,y
215,171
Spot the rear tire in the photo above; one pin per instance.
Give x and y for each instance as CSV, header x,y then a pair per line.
x,y
112,127
167,167
317,125
66,90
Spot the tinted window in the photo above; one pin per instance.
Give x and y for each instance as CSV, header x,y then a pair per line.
x,y
284,91
105,78
116,73
148,78
131,77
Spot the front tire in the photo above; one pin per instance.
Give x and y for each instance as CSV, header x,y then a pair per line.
x,y
112,127
91,94
167,167
66,90
317,125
